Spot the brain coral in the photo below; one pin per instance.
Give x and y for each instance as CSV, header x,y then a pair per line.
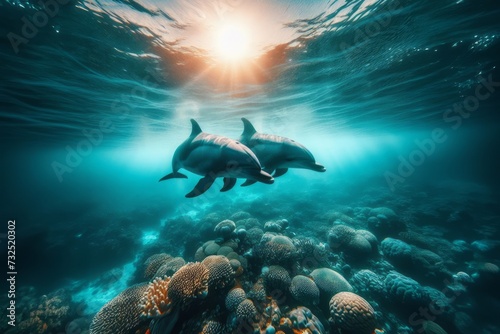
x,y
304,289
121,315
220,272
276,278
246,310
303,319
330,282
154,262
403,289
276,249
188,284
234,298
367,281
352,313
155,300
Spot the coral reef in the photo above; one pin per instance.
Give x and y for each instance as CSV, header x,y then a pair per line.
x,y
287,276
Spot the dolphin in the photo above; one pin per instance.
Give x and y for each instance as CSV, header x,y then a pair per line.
x,y
275,153
215,156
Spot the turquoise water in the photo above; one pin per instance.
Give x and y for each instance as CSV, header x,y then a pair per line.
x,y
397,99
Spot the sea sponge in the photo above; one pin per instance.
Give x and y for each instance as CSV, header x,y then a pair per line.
x,y
221,274
276,278
155,300
225,228
352,313
403,289
246,310
189,284
121,315
330,282
276,249
234,298
304,289
154,262
170,267
304,321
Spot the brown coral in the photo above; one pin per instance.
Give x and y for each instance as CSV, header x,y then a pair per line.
x,y
221,274
122,315
188,284
352,313
155,300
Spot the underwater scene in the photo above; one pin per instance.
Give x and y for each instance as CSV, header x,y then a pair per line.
x,y
250,166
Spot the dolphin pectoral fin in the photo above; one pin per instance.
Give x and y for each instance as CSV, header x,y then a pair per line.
x,y
201,186
280,171
174,175
248,182
319,168
229,183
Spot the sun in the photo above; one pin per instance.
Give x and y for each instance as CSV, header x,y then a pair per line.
x,y
232,43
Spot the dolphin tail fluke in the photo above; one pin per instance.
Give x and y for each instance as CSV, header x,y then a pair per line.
x,y
201,186
248,182
280,171
174,175
248,129
229,183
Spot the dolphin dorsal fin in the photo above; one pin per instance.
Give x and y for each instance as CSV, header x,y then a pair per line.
x,y
248,129
195,130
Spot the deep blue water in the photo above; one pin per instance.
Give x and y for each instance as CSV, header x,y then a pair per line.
x,y
399,100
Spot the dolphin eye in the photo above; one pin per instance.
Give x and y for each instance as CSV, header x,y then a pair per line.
x,y
237,142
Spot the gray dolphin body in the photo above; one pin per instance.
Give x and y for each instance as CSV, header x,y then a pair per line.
x,y
215,156
277,153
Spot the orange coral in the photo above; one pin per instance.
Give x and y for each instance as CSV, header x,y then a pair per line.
x,y
155,301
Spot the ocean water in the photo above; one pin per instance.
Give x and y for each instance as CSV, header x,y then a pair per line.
x,y
399,100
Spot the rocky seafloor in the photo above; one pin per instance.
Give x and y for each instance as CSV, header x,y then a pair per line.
x,y
411,262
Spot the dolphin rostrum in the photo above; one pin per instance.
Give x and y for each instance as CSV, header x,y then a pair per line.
x,y
215,156
277,153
